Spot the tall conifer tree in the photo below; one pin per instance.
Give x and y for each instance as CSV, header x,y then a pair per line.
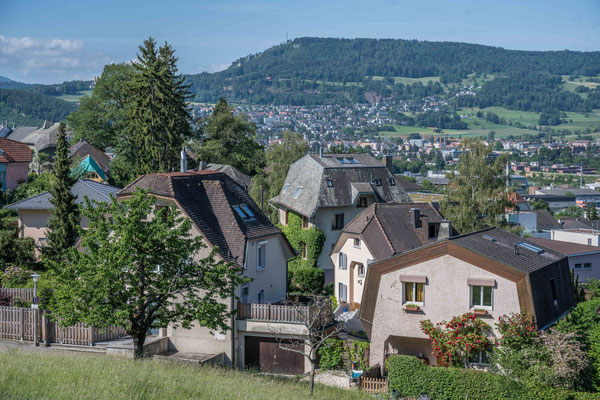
x,y
64,218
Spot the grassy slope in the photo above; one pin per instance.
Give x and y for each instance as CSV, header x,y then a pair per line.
x,y
75,97
56,377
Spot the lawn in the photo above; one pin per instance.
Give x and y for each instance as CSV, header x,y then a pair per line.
x,y
57,376
75,97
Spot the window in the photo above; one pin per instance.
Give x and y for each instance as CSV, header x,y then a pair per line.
x,y
377,182
361,270
589,242
1,152
260,296
413,292
329,183
362,202
357,243
247,210
244,212
342,292
158,208
481,296
479,357
287,217
261,255
297,192
392,182
433,230
342,261
2,180
245,292
577,266
338,221
587,265
304,251
285,188
553,289
304,222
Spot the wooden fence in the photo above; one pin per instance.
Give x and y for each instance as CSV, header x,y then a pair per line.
x,y
24,294
374,385
17,323
281,313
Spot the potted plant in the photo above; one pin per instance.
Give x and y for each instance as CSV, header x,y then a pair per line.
x,y
411,307
480,311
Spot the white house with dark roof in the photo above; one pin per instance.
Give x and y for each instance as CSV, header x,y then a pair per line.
x,y
330,190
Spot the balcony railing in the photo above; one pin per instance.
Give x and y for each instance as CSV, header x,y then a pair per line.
x,y
305,314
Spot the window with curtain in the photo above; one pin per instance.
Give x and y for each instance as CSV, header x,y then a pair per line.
x,y
413,292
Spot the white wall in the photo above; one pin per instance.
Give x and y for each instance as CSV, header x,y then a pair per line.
x,y
354,255
273,278
574,236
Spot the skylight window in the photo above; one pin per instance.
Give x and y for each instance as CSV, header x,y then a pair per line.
x,y
351,160
244,212
285,188
247,210
392,182
342,160
488,237
297,192
377,182
329,183
530,247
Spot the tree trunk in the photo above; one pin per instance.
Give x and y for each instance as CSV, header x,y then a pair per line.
x,y
311,385
138,346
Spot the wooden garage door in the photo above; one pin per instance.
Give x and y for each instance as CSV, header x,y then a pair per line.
x,y
266,355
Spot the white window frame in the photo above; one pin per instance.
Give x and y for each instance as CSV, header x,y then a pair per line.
x,y
419,303
356,243
340,285
364,270
342,261
258,292
260,267
472,305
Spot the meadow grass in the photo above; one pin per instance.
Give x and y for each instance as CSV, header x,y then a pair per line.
x,y
84,376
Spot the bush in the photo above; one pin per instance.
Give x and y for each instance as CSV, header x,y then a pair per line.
x,y
331,354
306,280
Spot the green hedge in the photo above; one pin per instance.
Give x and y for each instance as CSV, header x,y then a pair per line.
x,y
410,377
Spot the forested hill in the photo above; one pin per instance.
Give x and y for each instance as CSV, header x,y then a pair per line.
x,y
28,108
326,70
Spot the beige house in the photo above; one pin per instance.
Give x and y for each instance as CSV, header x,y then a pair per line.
x,y
379,232
224,215
489,271
34,212
329,190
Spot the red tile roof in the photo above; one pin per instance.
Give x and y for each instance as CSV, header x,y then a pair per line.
x,y
14,151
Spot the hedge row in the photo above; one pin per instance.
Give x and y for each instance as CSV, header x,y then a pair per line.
x,y
410,377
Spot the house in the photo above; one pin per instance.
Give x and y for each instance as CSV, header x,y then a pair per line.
x,y
41,141
224,215
588,236
379,232
584,260
14,163
34,212
491,271
329,190
90,160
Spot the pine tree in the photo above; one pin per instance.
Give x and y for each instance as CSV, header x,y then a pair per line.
x,y
158,116
64,218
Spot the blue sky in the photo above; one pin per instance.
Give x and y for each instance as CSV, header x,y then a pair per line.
x,y
51,41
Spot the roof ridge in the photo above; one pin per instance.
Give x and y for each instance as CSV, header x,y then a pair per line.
x,y
27,199
87,183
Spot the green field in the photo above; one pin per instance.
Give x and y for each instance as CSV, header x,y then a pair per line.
x,y
75,97
66,377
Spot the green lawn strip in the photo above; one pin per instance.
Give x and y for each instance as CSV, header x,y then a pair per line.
x,y
57,376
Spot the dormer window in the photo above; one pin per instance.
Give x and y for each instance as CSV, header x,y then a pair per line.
x,y
329,183
392,182
297,192
377,182
244,212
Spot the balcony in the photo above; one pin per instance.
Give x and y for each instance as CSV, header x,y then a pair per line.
x,y
309,314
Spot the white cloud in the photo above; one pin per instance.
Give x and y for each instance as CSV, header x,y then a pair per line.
x,y
63,56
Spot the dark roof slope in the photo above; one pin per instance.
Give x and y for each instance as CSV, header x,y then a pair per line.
x,y
407,185
388,228
99,192
566,248
13,151
83,149
545,220
242,179
208,198
499,245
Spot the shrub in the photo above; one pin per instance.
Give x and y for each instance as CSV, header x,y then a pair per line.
x,y
331,354
517,330
358,351
306,280
15,277
334,303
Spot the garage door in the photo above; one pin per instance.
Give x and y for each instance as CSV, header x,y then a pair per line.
x,y
266,355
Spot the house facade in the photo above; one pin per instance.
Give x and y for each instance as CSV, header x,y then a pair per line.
x,y
584,260
379,232
224,216
329,190
15,158
589,236
491,271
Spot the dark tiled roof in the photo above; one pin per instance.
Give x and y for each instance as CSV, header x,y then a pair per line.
x,y
242,179
502,249
82,149
13,151
388,228
208,197
545,220
407,185
333,160
566,248
93,190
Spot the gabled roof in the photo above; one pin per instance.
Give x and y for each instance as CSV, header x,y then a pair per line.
x,y
99,192
335,180
407,185
238,176
83,149
88,164
545,220
388,228
12,151
41,139
566,248
208,198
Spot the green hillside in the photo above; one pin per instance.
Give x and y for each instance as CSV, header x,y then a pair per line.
x,y
28,108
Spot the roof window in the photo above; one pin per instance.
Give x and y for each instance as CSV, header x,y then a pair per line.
x,y
392,182
488,237
285,188
297,192
529,247
377,182
244,212
329,183
347,160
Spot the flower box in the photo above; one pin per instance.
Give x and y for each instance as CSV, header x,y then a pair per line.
x,y
411,307
480,312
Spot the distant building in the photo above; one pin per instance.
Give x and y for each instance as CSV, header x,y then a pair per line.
x,y
584,260
15,158
40,141
588,237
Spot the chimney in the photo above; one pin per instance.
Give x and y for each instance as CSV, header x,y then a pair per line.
x,y
183,161
202,166
445,230
415,214
387,161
